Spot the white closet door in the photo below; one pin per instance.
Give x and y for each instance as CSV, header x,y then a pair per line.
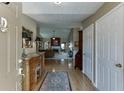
x,y
109,50
88,51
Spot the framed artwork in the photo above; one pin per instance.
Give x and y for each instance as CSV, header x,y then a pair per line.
x,y
27,38
76,44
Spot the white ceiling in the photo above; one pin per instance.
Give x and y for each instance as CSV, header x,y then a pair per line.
x,y
65,16
47,32
59,20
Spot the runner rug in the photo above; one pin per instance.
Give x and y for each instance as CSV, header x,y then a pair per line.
x,y
56,81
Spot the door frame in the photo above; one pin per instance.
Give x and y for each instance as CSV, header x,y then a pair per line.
x,y
18,28
93,55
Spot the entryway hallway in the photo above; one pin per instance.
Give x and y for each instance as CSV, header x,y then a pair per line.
x,y
45,43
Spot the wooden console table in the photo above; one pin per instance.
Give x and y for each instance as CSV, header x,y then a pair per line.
x,y
33,68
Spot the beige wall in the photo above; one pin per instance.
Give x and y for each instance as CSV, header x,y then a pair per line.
x,y
11,45
102,11
30,24
74,36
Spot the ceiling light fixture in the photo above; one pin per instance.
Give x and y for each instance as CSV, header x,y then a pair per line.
x,y
57,3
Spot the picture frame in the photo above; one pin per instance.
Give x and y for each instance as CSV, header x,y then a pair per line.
x,y
76,44
27,38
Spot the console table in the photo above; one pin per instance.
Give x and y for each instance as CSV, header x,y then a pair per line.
x,y
33,68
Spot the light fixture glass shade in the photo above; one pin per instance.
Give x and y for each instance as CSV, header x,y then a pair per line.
x,y
57,3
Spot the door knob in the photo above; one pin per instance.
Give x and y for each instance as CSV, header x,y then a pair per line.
x,y
118,65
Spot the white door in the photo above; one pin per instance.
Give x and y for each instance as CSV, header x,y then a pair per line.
x,y
88,52
110,50
8,48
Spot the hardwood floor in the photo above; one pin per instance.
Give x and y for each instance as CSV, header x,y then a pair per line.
x,y
78,81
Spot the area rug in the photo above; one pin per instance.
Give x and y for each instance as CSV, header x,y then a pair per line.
x,y
56,81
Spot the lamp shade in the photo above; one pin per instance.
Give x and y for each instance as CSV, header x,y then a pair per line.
x,y
38,39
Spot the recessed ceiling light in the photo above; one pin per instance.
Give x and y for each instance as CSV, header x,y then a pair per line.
x,y
57,3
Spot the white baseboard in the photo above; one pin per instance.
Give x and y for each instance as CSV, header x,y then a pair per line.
x,y
82,72
91,81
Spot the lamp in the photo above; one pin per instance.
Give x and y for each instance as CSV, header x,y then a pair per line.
x,y
37,39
